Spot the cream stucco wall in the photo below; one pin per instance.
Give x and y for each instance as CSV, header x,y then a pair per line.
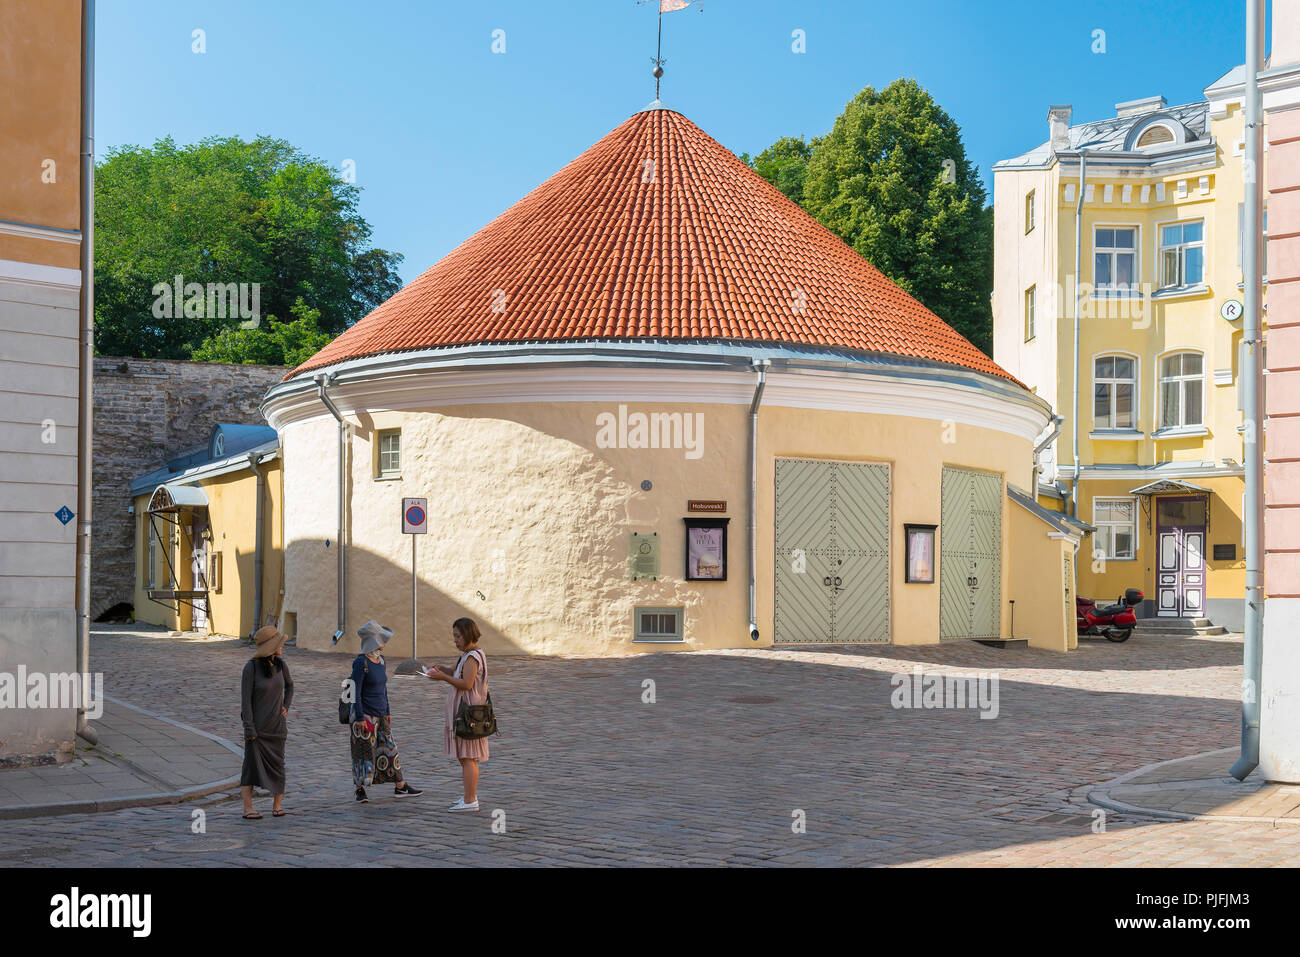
x,y
1039,583
529,520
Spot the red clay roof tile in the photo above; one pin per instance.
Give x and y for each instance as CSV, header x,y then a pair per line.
x,y
657,231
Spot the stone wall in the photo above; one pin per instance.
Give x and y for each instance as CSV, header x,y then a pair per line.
x,y
146,412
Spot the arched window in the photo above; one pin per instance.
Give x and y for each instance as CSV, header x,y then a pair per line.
x,y
1114,387
1155,136
1182,390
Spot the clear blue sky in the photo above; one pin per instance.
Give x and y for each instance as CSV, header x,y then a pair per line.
x,y
445,134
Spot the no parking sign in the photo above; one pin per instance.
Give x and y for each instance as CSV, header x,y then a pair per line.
x,y
415,516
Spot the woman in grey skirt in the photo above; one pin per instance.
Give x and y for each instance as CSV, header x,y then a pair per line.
x,y
267,691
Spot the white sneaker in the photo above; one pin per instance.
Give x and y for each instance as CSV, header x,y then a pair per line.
x,y
462,806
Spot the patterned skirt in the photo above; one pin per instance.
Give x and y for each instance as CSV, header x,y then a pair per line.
x,y
374,755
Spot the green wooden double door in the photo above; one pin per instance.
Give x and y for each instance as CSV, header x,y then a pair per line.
x,y
832,552
833,547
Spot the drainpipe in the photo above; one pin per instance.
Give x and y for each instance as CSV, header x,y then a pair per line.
x,y
321,382
1057,422
258,554
1078,297
761,367
1252,394
85,408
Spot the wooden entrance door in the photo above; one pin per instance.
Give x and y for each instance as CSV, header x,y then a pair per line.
x,y
832,552
970,555
1180,557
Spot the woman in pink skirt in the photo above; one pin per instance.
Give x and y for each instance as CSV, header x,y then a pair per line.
x,y
468,682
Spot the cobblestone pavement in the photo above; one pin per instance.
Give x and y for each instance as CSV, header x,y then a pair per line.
x,y
713,772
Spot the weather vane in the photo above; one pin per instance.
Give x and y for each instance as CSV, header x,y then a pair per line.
x,y
665,6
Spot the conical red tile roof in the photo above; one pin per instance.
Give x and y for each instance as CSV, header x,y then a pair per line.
x,y
655,232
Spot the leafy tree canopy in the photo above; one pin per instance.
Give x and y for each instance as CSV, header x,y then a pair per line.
x,y
227,211
271,342
880,181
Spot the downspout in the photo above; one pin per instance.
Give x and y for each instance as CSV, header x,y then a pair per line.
x,y
1252,393
1078,297
1057,422
85,407
760,366
321,382
258,552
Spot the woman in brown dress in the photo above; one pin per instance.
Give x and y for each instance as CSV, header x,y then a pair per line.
x,y
266,692
468,681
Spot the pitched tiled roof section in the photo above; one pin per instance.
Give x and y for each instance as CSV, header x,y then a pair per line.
x,y
656,232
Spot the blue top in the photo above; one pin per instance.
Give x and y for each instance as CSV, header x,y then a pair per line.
x,y
371,681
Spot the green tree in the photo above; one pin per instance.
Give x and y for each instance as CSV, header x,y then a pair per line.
x,y
784,164
880,181
270,343
225,210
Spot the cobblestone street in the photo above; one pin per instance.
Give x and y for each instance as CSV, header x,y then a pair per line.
x,y
584,772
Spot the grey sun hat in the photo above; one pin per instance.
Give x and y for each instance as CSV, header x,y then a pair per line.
x,y
373,636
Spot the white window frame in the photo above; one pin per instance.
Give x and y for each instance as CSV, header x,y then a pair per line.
x,y
1133,537
1161,424
1031,312
380,471
1135,382
1181,247
1135,287
1030,219
658,637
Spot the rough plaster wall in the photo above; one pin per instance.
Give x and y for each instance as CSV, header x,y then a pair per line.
x,y
147,411
529,527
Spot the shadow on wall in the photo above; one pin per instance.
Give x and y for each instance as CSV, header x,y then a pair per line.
x,y
380,589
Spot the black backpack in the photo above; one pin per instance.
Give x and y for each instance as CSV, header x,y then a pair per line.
x,y
345,706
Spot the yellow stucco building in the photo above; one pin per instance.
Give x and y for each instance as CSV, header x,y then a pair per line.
x,y
208,535
1159,446
656,406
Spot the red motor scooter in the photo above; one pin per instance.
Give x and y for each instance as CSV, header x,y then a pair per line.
x,y
1115,622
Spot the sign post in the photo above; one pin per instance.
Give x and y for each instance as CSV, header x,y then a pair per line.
x,y
415,521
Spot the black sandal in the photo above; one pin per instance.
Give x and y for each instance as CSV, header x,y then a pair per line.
x,y
279,813
255,816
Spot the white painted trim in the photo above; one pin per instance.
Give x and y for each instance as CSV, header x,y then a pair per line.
x,y
1159,428
1197,288
40,275
1149,474
1137,384
29,231
1137,511
920,396
1100,292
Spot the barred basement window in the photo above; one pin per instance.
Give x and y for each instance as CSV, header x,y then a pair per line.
x,y
658,624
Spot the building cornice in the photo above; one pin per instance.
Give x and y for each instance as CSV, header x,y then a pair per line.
x,y
37,274
664,375
31,231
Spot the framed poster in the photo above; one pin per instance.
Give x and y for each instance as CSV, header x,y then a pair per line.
x,y
706,549
919,559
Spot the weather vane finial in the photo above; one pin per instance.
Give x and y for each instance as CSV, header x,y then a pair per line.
x,y
665,6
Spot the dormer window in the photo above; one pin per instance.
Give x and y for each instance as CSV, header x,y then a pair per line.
x,y
1155,136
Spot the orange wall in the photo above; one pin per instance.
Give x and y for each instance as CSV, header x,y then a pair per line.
x,y
40,76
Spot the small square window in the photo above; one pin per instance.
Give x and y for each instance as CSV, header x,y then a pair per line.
x,y
389,459
657,624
